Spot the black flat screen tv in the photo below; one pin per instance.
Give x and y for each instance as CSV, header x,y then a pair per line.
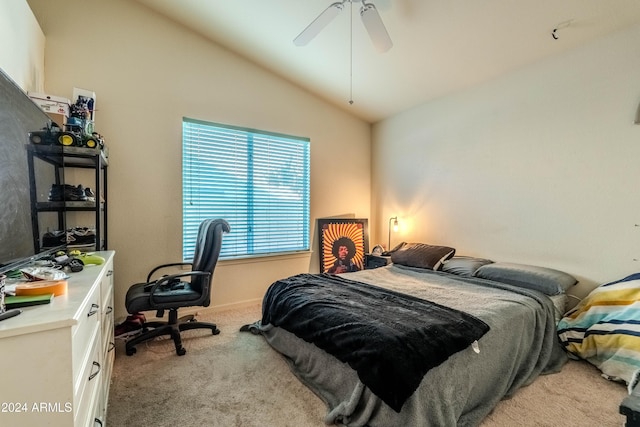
x,y
19,115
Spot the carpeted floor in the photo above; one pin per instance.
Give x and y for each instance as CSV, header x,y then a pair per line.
x,y
236,379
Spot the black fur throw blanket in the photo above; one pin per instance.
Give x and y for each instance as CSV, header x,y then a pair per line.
x,y
390,339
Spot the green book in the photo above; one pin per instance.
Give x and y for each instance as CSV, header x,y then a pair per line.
x,y
26,300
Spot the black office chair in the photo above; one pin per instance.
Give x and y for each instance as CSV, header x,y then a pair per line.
x,y
171,292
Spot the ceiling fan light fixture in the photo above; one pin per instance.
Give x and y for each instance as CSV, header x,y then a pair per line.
x,y
375,27
318,24
370,19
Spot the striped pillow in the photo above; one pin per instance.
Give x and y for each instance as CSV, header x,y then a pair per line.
x,y
604,329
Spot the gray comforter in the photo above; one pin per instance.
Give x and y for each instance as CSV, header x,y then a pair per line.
x,y
520,345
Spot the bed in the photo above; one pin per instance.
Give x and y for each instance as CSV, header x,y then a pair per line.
x,y
493,337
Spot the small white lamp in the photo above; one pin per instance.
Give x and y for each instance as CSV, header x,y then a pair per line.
x,y
395,229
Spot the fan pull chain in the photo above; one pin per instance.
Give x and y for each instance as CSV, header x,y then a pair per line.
x,y
351,55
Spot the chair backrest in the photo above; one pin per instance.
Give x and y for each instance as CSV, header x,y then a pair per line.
x,y
206,253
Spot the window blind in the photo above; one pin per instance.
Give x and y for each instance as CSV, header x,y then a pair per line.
x,y
257,181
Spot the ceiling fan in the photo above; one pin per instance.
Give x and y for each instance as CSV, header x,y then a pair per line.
x,y
370,18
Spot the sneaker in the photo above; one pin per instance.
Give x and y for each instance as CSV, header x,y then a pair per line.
x,y
66,192
73,237
131,326
74,194
138,316
56,194
51,239
91,196
81,236
126,330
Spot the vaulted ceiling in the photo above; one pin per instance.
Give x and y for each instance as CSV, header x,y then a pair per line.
x,y
439,46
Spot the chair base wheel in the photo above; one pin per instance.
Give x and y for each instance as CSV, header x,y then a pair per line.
x,y
173,327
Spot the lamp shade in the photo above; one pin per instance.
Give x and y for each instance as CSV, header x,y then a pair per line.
x,y
393,219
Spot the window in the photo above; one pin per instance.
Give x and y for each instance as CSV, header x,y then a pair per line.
x,y
257,181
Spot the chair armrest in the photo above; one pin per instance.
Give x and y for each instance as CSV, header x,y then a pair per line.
x,y
166,280
173,264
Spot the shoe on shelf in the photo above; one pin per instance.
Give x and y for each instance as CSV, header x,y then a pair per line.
x,y
56,194
91,196
66,192
51,239
75,194
81,236
73,237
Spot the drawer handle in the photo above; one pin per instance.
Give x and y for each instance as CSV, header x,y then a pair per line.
x,y
109,273
112,346
109,310
93,310
93,375
98,421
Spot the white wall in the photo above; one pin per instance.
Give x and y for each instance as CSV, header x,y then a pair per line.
x,y
539,167
22,46
148,73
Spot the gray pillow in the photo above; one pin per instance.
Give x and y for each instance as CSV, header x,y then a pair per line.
x,y
464,265
421,255
542,279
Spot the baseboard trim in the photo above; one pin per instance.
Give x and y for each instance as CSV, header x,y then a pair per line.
x,y
231,306
211,310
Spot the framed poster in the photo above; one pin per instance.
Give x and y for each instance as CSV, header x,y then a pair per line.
x,y
343,244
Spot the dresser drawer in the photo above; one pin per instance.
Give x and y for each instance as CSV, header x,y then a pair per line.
x,y
107,319
85,331
106,283
88,391
107,368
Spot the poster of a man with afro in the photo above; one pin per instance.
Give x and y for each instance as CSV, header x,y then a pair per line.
x,y
343,245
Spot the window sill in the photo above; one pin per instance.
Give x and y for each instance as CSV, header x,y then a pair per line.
x,y
251,259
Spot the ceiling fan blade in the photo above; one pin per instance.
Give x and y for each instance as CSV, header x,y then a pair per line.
x,y
373,23
318,24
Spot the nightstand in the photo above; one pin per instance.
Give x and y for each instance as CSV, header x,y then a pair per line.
x,y
375,261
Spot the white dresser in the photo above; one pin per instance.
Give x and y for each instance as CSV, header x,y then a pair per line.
x,y
56,359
